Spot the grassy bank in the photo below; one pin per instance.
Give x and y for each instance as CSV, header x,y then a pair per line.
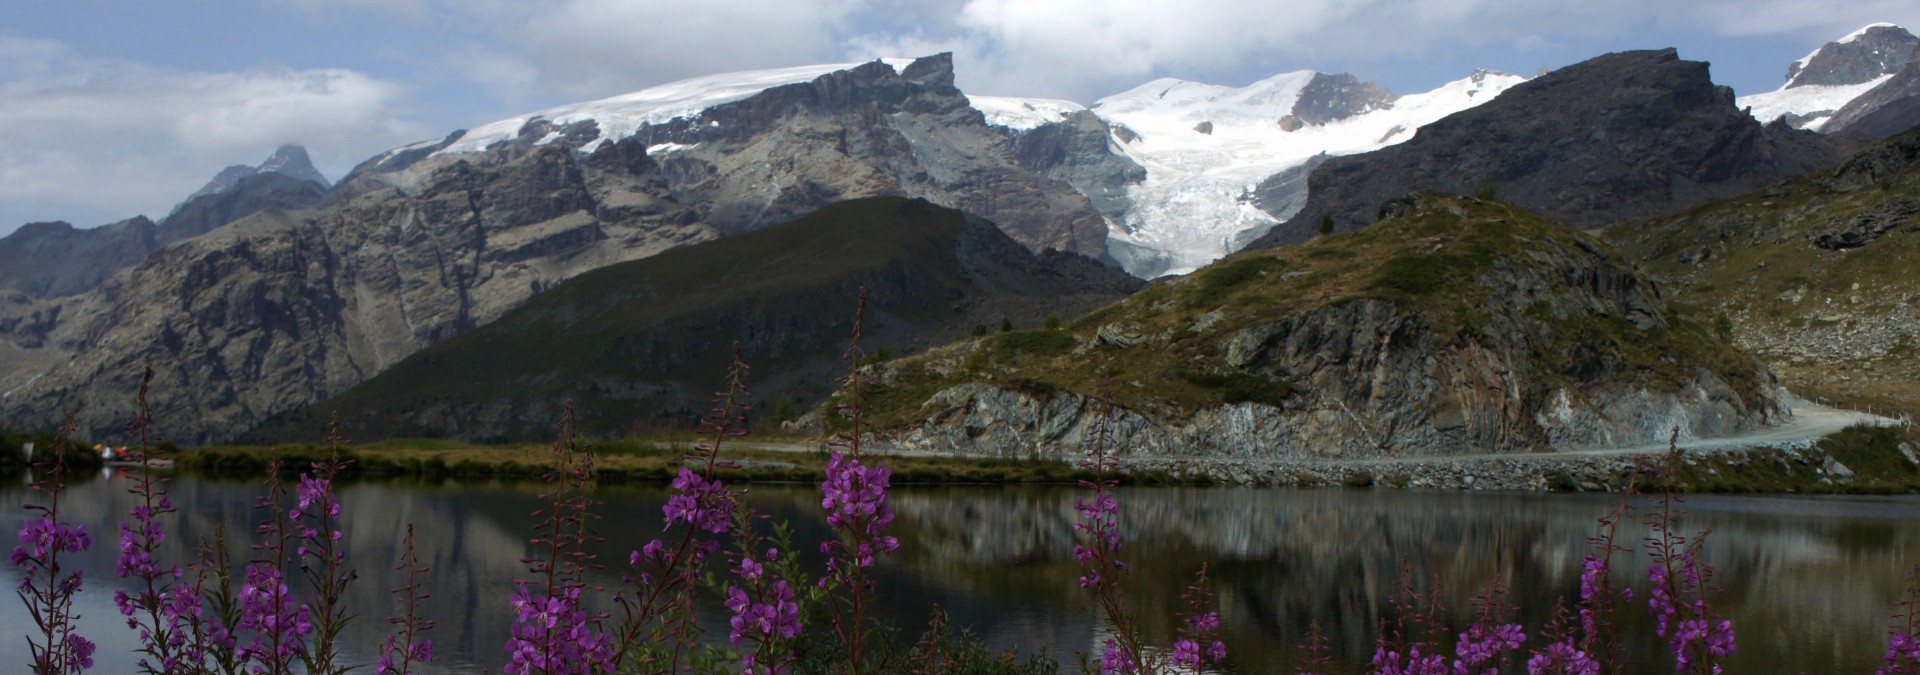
x,y
1874,456
1857,460
635,460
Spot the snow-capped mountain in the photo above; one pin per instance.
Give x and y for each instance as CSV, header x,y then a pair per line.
x,y
620,116
1209,148
1828,78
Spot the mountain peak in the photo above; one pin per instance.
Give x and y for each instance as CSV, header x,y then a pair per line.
x,y
289,160
1861,56
292,161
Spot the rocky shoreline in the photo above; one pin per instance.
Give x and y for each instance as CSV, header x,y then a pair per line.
x,y
1810,460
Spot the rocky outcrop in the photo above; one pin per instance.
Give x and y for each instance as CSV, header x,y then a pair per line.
x,y
1617,137
1546,341
1330,98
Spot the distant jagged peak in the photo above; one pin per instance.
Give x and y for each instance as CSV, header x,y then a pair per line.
x,y
288,160
1874,51
291,160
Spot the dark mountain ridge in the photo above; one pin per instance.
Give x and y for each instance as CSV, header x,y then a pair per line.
x,y
1613,138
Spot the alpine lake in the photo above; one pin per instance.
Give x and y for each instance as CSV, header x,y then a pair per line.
x,y
1809,582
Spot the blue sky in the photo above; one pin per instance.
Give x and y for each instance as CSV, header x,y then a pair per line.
x,y
110,109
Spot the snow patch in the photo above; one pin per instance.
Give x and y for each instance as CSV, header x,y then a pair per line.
x,y
663,148
1022,114
1818,100
1196,204
1863,31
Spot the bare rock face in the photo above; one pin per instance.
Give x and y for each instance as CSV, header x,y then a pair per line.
x,y
1620,136
285,308
1330,98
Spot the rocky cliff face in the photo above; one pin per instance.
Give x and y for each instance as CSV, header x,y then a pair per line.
x,y
1617,137
875,129
1459,327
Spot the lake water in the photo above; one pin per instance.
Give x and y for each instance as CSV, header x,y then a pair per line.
x,y
1809,582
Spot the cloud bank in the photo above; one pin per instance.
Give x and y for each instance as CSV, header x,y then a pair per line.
x,y
98,140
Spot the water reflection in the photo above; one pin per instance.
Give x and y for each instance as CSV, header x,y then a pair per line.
x,y
1809,582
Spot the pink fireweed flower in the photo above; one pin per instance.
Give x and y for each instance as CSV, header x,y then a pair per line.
x,y
553,634
1562,658
267,610
855,497
703,502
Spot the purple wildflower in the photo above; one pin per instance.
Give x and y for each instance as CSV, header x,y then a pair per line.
x,y
1696,635
855,497
278,624
46,588
159,608
553,634
703,502
1562,658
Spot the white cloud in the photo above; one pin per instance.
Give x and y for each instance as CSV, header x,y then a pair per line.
x,y
587,48
1826,19
1081,49
96,140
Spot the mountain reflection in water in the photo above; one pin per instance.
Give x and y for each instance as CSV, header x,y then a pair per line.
x,y
1809,582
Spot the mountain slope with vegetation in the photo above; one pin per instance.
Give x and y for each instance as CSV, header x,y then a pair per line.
x,y
642,344
1453,326
1815,275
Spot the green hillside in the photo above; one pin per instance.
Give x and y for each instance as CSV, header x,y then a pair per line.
x,y
1818,276
642,344
1453,324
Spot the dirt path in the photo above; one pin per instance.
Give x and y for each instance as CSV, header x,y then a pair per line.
x,y
1810,423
